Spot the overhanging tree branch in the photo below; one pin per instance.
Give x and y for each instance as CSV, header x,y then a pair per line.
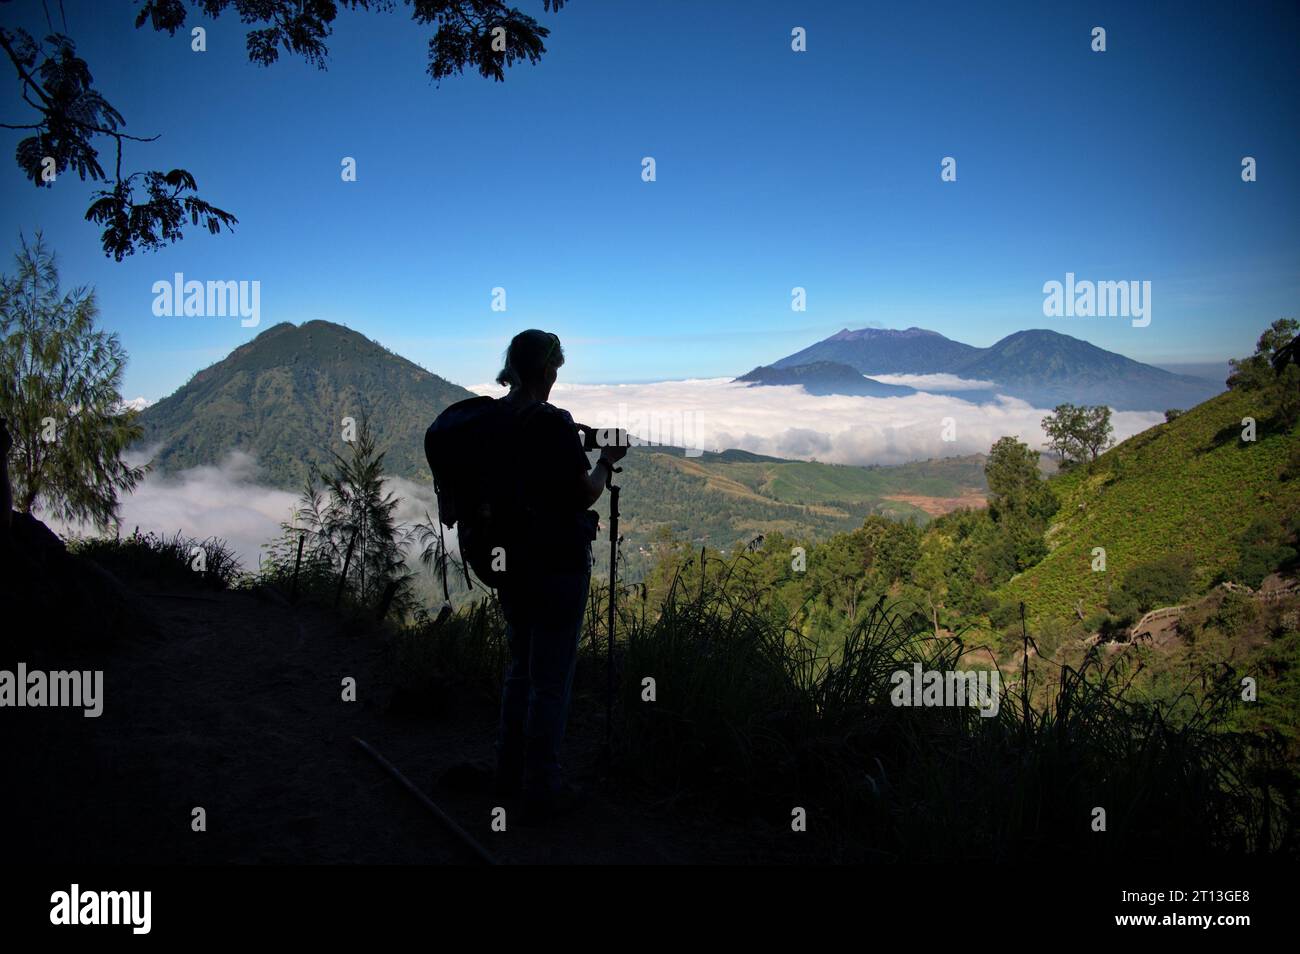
x,y
58,85
486,35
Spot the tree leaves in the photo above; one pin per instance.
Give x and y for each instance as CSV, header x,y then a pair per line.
x,y
70,111
60,381
72,114
350,509
158,220
1079,434
467,34
485,35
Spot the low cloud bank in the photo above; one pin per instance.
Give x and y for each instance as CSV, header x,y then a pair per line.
x,y
223,501
786,421
226,501
935,382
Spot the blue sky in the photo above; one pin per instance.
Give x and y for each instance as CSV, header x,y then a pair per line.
x,y
775,169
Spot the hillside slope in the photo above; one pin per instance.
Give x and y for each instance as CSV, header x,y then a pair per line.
x,y
1047,368
1190,485
723,500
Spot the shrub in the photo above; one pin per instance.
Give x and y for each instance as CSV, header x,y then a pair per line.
x,y
1115,628
176,559
1094,621
1234,613
1291,469
1161,582
1263,549
1002,613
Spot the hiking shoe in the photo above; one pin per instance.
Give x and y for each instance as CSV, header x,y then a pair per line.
x,y
541,807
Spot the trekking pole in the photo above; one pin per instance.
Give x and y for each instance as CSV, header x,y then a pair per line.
x,y
343,577
613,592
442,562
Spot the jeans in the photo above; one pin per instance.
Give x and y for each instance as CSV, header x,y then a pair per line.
x,y
543,627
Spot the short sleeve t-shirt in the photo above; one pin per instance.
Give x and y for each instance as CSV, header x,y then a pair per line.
x,y
550,462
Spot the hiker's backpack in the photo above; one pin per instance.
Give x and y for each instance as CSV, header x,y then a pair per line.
x,y
477,494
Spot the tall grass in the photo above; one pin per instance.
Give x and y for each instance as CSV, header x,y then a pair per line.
x,y
753,716
433,658
313,578
161,559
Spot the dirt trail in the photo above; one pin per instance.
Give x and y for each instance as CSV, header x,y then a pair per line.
x,y
235,706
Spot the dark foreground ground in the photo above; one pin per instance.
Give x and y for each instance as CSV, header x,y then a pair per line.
x,y
233,704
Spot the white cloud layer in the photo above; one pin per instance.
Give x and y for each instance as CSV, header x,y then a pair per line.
x,y
786,421
935,382
226,501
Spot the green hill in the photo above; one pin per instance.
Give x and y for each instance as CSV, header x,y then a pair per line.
x,y
1188,486
283,396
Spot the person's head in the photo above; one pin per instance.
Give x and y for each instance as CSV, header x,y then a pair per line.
x,y
531,362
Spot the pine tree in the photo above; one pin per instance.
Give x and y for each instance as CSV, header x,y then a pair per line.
x,y
60,391
348,518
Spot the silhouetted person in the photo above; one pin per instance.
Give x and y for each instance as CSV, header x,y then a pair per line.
x,y
549,576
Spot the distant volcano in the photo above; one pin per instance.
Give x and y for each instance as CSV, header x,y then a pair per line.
x,y
1042,367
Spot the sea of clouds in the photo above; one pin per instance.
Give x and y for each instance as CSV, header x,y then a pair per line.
x,y
229,501
786,421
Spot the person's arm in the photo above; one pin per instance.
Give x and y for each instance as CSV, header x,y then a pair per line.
x,y
593,482
592,478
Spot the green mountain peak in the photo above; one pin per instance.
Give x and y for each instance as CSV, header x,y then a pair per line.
x,y
283,398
